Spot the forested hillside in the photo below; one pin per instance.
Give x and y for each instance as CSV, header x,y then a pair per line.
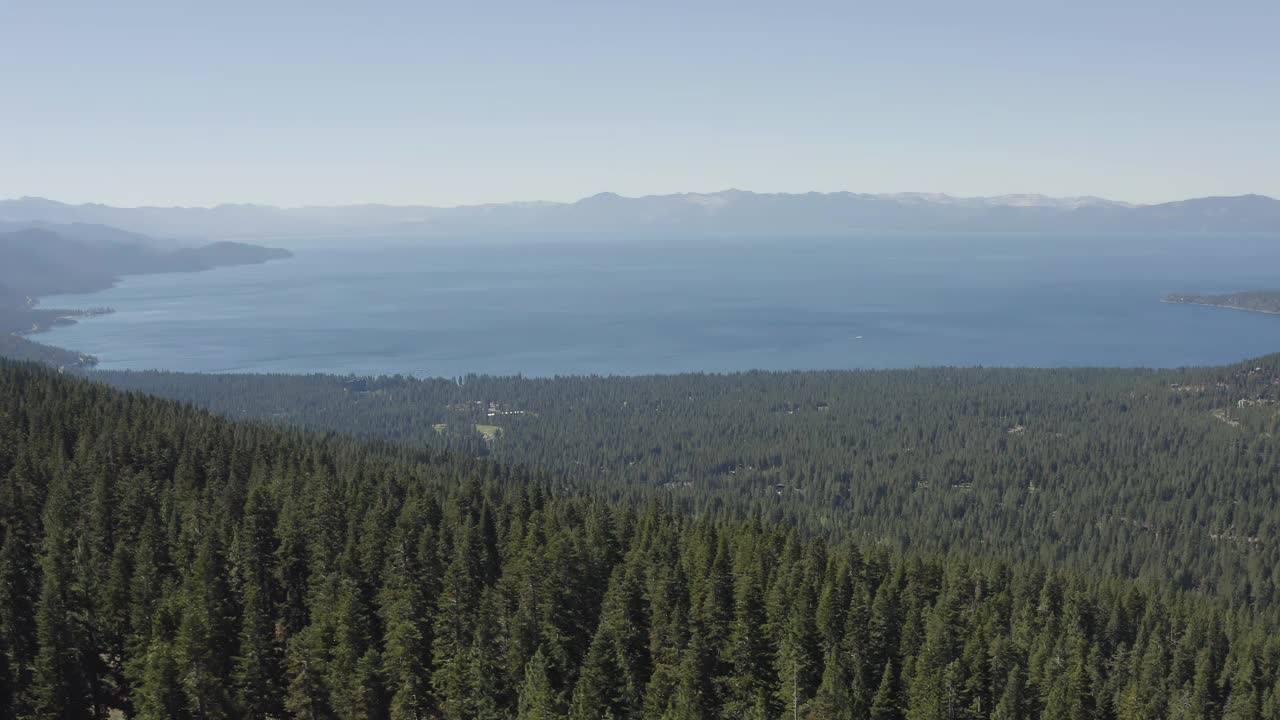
x,y
16,347
1169,476
161,562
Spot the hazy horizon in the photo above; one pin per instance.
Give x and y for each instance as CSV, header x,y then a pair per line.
x,y
409,104
1028,196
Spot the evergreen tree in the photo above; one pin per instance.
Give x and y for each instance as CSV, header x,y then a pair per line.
x,y
885,705
160,695
259,664
307,694
204,645
456,612
799,663
1013,702
749,686
694,697
538,700
66,668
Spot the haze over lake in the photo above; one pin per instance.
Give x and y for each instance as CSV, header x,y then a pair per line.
x,y
381,306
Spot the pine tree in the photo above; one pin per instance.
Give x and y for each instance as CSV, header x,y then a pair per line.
x,y
371,679
799,663
486,660
259,663
694,695
455,622
204,645
19,575
352,630
846,689
1202,694
160,695
538,700
885,705
66,668
1244,702
833,602
293,566
8,682
405,612
1013,703
748,688
600,689
835,699
626,619
307,695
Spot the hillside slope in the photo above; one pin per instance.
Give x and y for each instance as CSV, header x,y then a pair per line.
x,y
159,562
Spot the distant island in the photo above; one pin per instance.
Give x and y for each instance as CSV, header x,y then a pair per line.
x,y
1263,301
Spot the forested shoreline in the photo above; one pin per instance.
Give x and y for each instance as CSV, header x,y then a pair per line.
x,y
43,259
157,560
1263,301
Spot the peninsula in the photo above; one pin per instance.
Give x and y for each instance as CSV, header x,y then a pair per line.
x,y
1263,301
50,260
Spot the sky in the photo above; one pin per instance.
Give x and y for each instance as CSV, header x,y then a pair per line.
x,y
323,103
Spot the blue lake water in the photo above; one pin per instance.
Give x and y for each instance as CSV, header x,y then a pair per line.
x,y
633,307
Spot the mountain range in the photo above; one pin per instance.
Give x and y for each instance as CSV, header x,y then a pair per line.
x,y
727,213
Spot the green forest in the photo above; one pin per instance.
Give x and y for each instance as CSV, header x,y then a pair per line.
x,y
639,361
158,561
1169,477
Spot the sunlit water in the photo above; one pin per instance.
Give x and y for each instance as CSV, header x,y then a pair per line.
x,y
632,307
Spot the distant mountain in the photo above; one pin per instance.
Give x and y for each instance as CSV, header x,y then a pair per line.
x,y
728,213
92,232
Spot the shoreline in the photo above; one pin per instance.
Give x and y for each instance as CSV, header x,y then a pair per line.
x,y
25,318
83,361
71,318
1220,305
18,344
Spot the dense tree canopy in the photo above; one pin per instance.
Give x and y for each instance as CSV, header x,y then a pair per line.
x,y
157,560
1169,476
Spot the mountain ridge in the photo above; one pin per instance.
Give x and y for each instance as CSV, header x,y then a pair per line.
x,y
726,212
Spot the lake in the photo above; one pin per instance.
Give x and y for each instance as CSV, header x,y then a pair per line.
x,y
540,308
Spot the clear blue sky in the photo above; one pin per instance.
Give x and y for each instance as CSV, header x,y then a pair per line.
x,y
418,102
